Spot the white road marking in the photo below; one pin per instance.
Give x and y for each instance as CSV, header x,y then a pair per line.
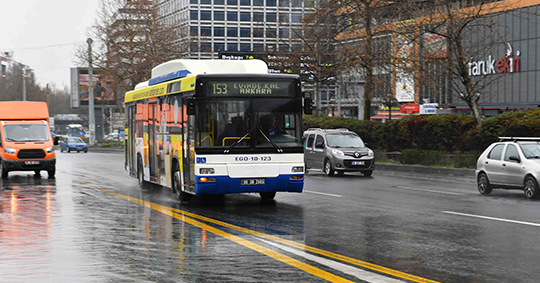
x,y
493,218
353,271
430,191
324,194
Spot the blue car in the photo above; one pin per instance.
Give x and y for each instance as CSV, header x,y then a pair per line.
x,y
73,144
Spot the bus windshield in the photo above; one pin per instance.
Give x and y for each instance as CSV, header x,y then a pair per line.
x,y
246,123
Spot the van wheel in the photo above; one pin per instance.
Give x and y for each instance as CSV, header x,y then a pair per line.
x,y
51,173
267,196
367,173
177,187
3,170
531,188
328,170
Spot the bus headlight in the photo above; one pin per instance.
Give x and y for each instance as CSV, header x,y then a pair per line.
x,y
9,150
50,149
297,169
207,171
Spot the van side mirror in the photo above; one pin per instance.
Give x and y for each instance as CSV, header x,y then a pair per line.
x,y
308,108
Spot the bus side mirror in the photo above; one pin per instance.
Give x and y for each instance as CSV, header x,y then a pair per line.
x,y
190,108
308,108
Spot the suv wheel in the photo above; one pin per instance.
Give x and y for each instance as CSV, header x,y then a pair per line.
x,y
531,188
328,170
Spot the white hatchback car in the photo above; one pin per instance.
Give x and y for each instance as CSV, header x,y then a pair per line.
x,y
511,163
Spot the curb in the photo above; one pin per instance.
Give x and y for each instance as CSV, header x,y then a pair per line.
x,y
426,169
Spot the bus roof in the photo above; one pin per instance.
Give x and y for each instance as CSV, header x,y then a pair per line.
x,y
196,67
23,110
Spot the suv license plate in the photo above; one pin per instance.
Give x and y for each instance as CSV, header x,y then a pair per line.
x,y
31,163
250,182
358,163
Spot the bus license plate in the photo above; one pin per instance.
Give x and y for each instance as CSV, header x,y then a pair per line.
x,y
358,163
250,182
31,163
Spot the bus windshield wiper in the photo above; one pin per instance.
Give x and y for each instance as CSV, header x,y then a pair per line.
x,y
237,142
271,141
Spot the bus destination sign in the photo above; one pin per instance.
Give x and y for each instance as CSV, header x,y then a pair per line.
x,y
249,88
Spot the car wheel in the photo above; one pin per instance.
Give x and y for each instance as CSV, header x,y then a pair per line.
x,y
86,150
61,149
177,187
531,188
267,196
51,173
328,170
367,173
3,170
68,150
484,187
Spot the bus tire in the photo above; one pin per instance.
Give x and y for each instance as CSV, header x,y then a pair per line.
x,y
177,186
140,173
267,196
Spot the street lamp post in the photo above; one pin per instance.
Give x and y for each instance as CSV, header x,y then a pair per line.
x,y
91,118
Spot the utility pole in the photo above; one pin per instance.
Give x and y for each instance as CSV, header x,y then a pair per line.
x,y
24,83
91,118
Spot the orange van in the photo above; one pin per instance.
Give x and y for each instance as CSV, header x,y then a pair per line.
x,y
26,143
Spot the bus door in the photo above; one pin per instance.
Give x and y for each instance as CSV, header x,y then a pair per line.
x,y
131,150
189,146
152,156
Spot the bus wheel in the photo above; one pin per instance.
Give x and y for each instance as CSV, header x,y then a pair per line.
x,y
177,187
140,177
267,196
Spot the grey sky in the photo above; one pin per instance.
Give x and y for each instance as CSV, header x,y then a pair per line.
x,y
44,34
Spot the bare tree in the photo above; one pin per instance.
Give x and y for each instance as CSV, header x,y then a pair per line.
x,y
129,40
11,86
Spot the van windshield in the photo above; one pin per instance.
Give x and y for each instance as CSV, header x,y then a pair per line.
x,y
26,132
344,140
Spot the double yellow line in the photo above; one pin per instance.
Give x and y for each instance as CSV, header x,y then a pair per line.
x,y
190,218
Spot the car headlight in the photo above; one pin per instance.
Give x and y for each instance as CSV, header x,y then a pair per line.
x,y
9,150
370,153
338,152
207,171
50,149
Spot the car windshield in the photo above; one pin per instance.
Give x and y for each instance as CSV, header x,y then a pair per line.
x,y
344,140
531,150
75,140
26,132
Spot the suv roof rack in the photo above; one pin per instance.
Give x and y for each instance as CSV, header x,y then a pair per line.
x,y
519,138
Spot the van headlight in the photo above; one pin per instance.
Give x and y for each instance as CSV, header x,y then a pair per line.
x,y
50,149
9,150
338,152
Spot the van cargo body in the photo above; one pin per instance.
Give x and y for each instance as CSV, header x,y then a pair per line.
x,y
26,143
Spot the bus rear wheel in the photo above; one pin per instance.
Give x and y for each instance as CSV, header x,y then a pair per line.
x,y
267,196
140,176
177,187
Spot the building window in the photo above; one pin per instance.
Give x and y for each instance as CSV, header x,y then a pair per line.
x,y
245,2
219,46
258,32
258,47
219,15
193,1
232,2
194,30
284,3
258,2
284,33
296,3
206,1
271,33
296,17
194,47
283,18
245,16
271,3
206,47
245,47
245,32
309,4
232,46
219,31
206,31
270,17
232,32
193,15
232,16
206,15
284,47
219,2
258,16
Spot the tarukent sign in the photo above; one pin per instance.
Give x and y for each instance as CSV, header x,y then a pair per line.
x,y
510,63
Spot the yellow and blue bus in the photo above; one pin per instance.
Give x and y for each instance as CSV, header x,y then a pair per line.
x,y
217,127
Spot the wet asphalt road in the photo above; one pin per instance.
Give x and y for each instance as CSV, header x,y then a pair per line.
x,y
94,224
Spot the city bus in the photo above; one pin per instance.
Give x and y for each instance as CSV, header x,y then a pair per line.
x,y
213,127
